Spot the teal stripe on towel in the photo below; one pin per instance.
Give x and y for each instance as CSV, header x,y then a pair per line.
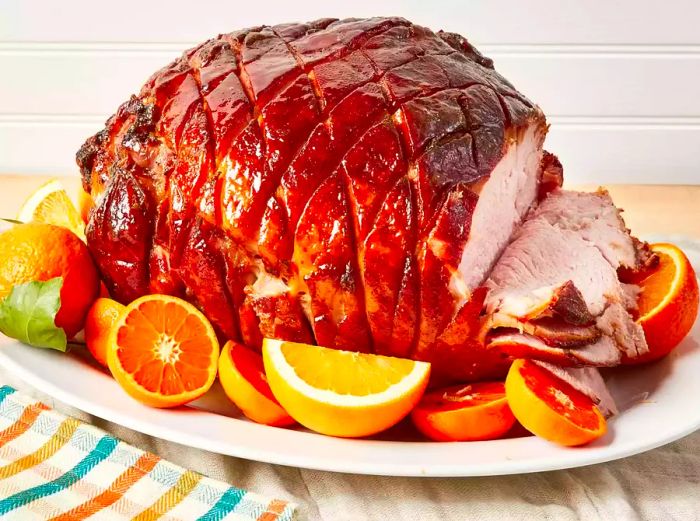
x,y
101,451
5,391
227,502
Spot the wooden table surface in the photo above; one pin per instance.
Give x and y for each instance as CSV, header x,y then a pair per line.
x,y
667,209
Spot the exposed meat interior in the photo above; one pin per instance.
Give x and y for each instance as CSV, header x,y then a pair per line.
x,y
555,292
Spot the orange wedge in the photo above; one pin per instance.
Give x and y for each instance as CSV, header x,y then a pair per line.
x,y
342,393
469,412
668,303
242,376
163,351
51,204
550,407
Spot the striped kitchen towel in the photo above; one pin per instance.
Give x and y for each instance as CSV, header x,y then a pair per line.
x,y
55,467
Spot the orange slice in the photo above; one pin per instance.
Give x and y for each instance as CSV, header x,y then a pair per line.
x,y
550,407
342,393
668,303
242,376
464,413
51,204
103,314
163,351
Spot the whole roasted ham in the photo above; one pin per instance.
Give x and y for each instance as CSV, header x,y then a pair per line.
x,y
354,183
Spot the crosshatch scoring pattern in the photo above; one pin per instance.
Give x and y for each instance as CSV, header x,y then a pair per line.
x,y
619,90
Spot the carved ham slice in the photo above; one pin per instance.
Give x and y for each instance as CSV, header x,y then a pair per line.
x,y
555,292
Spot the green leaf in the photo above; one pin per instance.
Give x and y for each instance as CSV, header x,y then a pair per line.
x,y
28,314
11,221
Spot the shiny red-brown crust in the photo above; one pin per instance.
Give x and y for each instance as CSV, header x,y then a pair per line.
x,y
326,154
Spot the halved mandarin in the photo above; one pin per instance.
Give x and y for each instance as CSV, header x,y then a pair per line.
x,y
469,412
163,351
550,407
342,393
242,376
667,306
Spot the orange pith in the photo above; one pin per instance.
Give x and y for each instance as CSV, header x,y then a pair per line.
x,y
163,351
668,302
464,413
550,407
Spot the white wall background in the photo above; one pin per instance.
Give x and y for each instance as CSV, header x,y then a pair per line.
x,y
619,81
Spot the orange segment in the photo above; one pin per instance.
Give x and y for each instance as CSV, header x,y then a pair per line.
x,y
163,351
51,204
242,376
464,413
668,303
550,407
342,393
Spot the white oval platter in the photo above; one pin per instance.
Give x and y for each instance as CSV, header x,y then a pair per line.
x,y
659,403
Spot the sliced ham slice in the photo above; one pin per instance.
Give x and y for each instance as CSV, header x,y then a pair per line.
x,y
555,293
601,353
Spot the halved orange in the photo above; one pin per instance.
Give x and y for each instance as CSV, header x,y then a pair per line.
x,y
342,393
242,376
668,303
469,412
51,204
163,351
550,407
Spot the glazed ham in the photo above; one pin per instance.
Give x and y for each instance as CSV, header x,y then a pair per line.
x,y
346,182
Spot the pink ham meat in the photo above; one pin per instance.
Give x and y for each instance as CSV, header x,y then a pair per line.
x,y
555,293
344,182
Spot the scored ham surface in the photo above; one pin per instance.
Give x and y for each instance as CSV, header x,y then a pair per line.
x,y
345,182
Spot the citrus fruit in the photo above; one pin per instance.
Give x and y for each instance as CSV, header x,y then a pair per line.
x,y
476,411
85,204
163,351
40,252
550,407
50,204
342,393
668,303
242,376
103,314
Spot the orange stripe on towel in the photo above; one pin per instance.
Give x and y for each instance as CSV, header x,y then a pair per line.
x,y
23,423
274,509
116,490
188,480
48,449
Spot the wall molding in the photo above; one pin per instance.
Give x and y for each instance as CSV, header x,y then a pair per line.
x,y
501,49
